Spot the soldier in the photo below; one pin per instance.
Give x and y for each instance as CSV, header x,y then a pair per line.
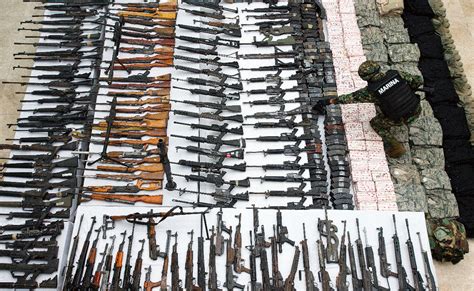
x,y
395,100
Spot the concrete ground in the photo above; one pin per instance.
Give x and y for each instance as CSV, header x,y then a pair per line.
x,y
461,16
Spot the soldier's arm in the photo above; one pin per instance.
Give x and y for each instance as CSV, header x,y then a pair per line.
x,y
414,81
359,96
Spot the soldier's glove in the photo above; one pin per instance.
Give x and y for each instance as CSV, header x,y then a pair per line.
x,y
320,107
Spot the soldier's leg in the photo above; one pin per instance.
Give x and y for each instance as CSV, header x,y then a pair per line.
x,y
382,125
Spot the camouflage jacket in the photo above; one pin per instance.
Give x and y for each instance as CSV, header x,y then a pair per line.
x,y
364,96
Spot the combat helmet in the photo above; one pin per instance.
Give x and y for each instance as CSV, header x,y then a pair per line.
x,y
368,70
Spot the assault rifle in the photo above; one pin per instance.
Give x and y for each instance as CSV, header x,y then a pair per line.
x,y
271,16
212,281
175,281
366,277
205,82
210,167
220,24
282,123
324,277
230,283
430,281
385,269
277,278
269,41
293,165
98,273
289,150
402,274
139,78
206,52
137,270
341,279
149,43
327,229
126,284
280,114
211,73
189,278
211,105
222,30
214,127
220,195
235,154
272,31
220,227
70,262
76,281
201,280
214,15
238,266
309,277
210,92
86,280
281,235
273,90
139,217
289,192
254,285
371,264
260,242
115,284
279,66
214,62
290,280
417,279
147,50
210,5
216,180
266,284
108,265
286,137
37,213
218,41
209,115
290,177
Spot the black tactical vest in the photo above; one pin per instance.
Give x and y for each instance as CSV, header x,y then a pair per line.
x,y
396,99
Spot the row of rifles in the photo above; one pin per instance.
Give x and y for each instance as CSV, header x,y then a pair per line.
x,y
39,175
294,31
356,260
44,173
131,120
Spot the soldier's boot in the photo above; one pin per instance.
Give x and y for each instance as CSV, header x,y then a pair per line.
x,y
382,125
394,149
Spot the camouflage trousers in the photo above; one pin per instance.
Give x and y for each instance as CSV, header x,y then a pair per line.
x,y
382,124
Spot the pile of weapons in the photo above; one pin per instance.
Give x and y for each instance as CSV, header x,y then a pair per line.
x,y
137,107
290,22
92,272
40,174
291,30
220,85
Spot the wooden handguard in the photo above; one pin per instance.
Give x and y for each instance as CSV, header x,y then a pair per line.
x,y
154,100
150,141
143,168
145,66
150,199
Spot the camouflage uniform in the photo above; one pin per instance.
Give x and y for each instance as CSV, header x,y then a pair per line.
x,y
447,239
380,123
